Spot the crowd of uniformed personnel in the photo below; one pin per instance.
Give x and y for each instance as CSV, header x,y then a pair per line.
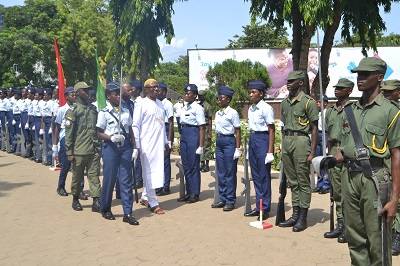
x,y
79,135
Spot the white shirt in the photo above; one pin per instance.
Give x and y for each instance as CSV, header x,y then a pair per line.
x,y
11,102
60,119
260,116
46,107
193,114
109,124
4,104
55,107
35,108
25,104
320,121
177,109
226,121
29,106
168,108
17,107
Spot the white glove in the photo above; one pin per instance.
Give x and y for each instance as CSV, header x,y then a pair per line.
x,y
13,122
237,154
117,138
50,131
41,131
135,154
26,126
54,149
199,151
33,128
269,158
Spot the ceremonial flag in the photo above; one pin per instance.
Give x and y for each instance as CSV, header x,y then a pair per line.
x,y
60,75
100,89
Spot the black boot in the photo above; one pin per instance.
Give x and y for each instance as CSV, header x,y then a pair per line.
x,y
292,220
301,223
96,205
396,244
337,231
342,238
76,206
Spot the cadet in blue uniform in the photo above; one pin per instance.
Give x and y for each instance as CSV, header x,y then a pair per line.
x,y
10,118
31,122
16,123
261,146
46,109
25,102
37,120
227,151
3,116
169,128
192,142
118,142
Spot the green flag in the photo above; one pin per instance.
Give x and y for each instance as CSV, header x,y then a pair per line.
x,y
100,89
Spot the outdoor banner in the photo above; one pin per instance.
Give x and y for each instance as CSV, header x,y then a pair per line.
x,y
278,63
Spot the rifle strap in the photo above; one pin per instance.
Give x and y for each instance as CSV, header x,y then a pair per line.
x,y
118,122
362,153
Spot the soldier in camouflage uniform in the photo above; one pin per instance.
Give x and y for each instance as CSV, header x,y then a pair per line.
x,y
83,145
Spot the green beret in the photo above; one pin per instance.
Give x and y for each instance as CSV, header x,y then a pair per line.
x,y
391,85
81,85
371,64
298,74
344,83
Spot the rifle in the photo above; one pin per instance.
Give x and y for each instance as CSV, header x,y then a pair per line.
x,y
280,211
216,187
181,176
246,181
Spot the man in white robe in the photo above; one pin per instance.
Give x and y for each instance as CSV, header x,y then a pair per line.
x,y
151,142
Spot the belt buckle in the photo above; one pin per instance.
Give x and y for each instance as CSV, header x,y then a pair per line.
x,y
362,154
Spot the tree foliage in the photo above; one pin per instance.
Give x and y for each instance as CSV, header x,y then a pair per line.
x,y
138,25
174,74
381,41
235,75
258,35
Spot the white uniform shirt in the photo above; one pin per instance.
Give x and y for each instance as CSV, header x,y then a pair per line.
x,y
60,119
169,109
25,105
17,107
109,124
4,104
193,114
46,108
177,109
226,121
11,102
260,116
55,107
35,108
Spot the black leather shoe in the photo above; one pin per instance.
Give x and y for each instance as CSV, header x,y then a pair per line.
x,y
76,205
61,191
292,220
252,213
96,205
205,169
38,161
229,207
83,196
192,199
108,215
324,191
337,231
183,199
301,223
265,216
219,204
130,220
163,192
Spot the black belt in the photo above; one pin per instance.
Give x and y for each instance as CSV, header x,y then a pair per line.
x,y
294,133
225,135
258,132
187,125
355,165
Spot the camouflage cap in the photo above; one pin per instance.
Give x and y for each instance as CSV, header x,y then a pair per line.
x,y
371,64
298,74
344,83
81,85
391,85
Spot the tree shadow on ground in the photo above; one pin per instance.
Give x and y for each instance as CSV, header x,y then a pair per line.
x,y
6,164
8,186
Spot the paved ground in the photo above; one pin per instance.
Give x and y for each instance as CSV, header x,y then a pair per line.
x,y
39,228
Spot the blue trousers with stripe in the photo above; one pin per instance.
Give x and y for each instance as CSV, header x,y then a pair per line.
x,y
190,160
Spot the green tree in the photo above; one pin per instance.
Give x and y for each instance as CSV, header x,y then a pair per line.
x,y
235,75
381,41
138,25
256,35
173,73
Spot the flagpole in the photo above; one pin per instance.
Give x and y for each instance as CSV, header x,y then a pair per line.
x,y
120,102
321,98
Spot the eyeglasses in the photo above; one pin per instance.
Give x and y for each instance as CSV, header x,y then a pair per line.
x,y
151,87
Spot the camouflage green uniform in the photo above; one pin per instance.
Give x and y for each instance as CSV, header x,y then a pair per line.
x,y
82,142
297,115
380,130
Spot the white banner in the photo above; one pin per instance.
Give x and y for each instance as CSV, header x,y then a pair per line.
x,y
278,63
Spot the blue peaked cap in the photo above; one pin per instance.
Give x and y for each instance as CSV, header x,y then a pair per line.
x,y
225,90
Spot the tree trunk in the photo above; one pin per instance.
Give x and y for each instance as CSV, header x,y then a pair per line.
x,y
326,48
297,35
308,32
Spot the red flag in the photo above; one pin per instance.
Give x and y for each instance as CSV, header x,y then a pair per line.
x,y
60,75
